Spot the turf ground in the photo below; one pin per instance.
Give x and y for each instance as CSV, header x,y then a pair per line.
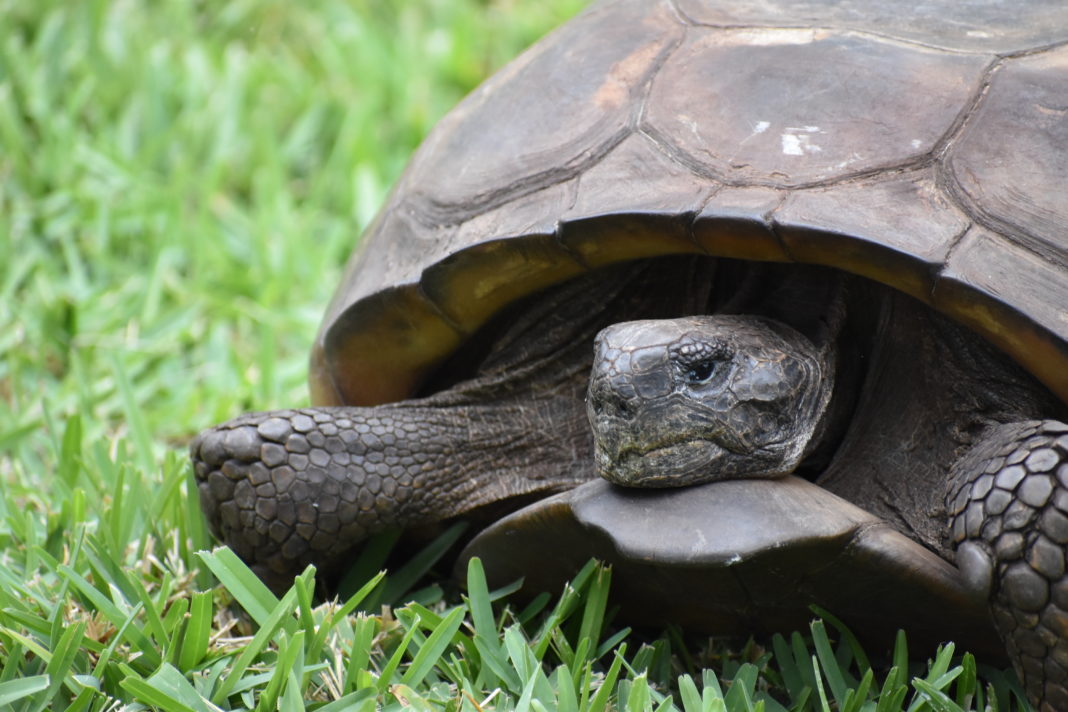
x,y
180,183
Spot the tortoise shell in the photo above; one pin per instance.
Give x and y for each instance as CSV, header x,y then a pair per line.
x,y
922,145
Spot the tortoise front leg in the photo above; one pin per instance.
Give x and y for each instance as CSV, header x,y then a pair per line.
x,y
1008,506
291,487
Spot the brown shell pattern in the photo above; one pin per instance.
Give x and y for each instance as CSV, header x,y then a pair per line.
x,y
921,144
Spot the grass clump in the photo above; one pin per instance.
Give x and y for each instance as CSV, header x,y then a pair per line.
x,y
180,185
167,646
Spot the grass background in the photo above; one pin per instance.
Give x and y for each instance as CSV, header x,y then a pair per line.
x,y
180,183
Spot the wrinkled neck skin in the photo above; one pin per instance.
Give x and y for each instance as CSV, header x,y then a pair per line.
x,y
724,396
930,391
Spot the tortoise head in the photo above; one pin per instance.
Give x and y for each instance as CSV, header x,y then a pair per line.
x,y
680,401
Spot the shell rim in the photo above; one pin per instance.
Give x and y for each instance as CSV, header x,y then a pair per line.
x,y
378,349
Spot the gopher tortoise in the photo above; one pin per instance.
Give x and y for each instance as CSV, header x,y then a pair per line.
x,y
813,254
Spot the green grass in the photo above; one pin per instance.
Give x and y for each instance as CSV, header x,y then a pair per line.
x,y
180,183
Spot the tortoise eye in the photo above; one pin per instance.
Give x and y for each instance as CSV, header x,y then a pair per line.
x,y
701,371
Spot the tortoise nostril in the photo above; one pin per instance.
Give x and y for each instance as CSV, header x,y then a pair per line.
x,y
615,405
606,401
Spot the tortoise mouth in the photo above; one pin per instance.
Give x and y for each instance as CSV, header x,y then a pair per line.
x,y
686,462
674,464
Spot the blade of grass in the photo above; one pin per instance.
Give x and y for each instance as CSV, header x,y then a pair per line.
x,y
276,620
600,699
401,581
194,645
828,662
14,690
243,585
433,649
289,651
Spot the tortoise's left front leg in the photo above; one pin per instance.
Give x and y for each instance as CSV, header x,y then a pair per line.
x,y
1008,506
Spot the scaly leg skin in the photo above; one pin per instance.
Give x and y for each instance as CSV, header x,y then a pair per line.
x,y
287,488
277,487
1008,506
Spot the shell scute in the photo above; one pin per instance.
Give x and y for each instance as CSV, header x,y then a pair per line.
x,y
546,116
965,25
896,230
1014,297
790,112
1010,161
735,222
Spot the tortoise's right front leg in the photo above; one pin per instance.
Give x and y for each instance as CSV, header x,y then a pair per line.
x,y
287,488
1009,510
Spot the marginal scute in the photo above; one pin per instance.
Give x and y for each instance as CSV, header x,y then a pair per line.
x,y
967,25
393,251
321,386
605,240
362,345
533,214
788,114
733,223
474,284
897,231
1012,296
634,203
1010,160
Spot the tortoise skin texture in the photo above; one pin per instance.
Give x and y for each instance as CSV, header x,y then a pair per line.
x,y
920,145
1008,509
748,416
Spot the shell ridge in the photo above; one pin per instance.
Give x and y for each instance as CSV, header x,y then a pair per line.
x,y
437,308
1034,51
681,14
691,224
681,157
847,30
1022,236
955,242
772,224
638,112
968,112
972,205
430,212
664,148
558,233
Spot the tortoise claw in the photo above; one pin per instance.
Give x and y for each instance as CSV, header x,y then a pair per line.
x,y
977,567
